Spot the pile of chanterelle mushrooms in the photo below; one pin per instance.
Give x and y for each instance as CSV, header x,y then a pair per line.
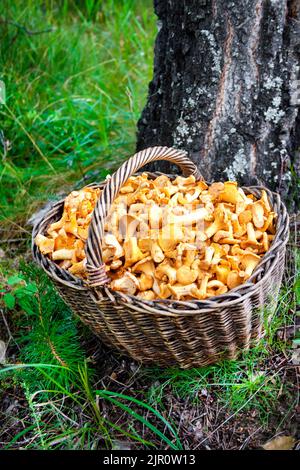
x,y
166,239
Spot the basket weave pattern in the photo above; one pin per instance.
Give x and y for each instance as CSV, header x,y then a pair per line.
x,y
168,332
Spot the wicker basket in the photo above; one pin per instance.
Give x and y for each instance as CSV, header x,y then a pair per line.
x,y
168,332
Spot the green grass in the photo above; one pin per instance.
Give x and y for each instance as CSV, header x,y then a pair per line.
x,y
58,381
74,94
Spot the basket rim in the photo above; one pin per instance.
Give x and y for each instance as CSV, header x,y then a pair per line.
x,y
239,293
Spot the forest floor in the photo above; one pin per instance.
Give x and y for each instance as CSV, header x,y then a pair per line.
x,y
99,399
69,119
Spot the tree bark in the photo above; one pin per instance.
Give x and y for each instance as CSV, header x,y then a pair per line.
x,y
226,88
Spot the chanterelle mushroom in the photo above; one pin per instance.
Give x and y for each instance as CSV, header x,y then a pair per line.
x,y
182,181
157,253
209,253
258,214
128,284
216,287
268,223
218,223
185,253
265,243
145,266
164,291
110,241
190,218
230,193
145,282
78,268
245,217
222,272
170,236
238,229
265,202
251,238
146,295
128,225
234,279
203,286
219,252
115,264
62,254
215,189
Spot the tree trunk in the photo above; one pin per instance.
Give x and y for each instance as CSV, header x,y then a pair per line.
x,y
226,89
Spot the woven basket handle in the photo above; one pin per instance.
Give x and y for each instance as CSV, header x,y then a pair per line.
x,y
95,267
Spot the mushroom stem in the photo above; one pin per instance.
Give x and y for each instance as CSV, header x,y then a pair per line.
x,y
201,292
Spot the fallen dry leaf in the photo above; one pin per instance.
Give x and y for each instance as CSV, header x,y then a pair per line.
x,y
280,443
